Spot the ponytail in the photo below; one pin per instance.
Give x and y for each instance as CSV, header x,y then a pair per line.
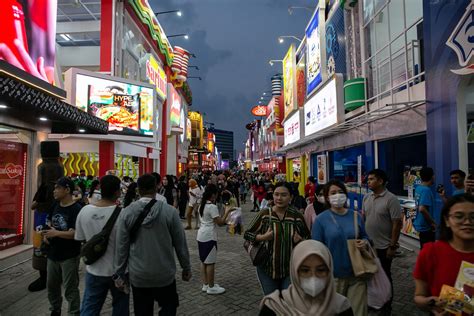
x,y
210,190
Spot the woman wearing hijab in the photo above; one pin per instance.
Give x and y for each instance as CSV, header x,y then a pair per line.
x,y
312,290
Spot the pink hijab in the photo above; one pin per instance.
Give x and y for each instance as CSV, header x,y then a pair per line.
x,y
294,301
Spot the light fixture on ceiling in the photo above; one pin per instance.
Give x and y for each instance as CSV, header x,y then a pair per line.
x,y
3,106
65,37
42,118
81,130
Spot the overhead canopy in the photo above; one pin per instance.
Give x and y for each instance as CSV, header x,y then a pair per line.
x,y
29,97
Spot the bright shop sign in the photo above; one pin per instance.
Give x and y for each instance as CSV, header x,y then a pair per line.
x,y
175,106
325,108
156,76
289,81
313,57
127,106
259,110
292,128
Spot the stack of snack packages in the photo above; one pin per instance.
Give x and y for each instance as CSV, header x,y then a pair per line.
x,y
458,300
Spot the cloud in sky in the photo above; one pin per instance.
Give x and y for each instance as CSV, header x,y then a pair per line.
x,y
233,41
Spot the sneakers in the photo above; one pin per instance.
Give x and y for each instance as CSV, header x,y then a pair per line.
x,y
215,290
205,287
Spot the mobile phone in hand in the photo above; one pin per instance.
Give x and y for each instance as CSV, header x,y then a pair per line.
x,y
440,188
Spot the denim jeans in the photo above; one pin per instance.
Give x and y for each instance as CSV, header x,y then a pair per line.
x,y
65,273
270,285
95,293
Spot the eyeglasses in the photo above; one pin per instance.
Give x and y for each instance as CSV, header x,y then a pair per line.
x,y
459,218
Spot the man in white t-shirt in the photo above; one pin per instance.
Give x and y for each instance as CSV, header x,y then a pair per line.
x,y
90,221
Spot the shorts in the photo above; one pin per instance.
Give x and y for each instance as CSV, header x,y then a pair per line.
x,y
208,251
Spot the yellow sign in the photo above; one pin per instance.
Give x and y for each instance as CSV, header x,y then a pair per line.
x,y
289,81
156,76
194,116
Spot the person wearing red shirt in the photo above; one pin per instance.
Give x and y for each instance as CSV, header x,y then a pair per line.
x,y
438,263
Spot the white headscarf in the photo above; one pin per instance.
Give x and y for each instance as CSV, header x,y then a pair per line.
x,y
294,301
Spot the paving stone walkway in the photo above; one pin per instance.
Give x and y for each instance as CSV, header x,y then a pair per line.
x,y
233,271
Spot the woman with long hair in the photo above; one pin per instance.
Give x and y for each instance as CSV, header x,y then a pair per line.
x,y
312,290
282,227
439,262
333,228
207,238
170,192
94,192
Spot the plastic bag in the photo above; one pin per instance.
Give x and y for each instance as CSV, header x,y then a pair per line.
x,y
234,222
379,290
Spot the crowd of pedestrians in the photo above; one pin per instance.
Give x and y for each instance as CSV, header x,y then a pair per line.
x,y
311,241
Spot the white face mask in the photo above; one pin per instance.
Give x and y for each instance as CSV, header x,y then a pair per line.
x,y
338,200
313,285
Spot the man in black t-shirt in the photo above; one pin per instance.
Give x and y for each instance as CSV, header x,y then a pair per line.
x,y
63,255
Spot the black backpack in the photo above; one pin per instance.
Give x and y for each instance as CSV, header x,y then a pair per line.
x,y
95,247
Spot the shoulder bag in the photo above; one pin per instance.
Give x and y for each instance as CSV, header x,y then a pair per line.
x,y
363,260
96,247
258,251
138,223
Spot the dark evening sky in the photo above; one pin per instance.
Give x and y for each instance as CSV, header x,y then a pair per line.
x,y
233,41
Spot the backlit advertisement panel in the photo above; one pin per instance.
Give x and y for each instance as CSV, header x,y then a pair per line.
x,y
325,108
156,76
28,36
292,128
175,106
313,46
129,108
289,81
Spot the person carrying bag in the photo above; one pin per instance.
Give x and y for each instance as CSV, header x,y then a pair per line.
x,y
96,247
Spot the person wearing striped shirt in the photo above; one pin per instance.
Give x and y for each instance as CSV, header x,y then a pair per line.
x,y
282,227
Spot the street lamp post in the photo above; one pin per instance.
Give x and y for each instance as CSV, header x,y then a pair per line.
x,y
273,61
199,78
186,36
292,7
178,12
196,67
281,38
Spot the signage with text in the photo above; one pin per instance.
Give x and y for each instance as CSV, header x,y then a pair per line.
x,y
129,108
325,108
156,76
292,128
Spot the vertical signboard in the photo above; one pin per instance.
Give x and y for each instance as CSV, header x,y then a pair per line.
x,y
313,46
322,169
174,99
289,81
156,76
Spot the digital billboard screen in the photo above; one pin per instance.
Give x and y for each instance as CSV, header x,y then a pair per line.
x,y
28,36
127,107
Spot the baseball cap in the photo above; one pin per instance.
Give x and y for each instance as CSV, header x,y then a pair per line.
x,y
66,183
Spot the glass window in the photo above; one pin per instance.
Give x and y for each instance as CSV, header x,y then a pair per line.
x,y
397,19
413,50
368,10
379,4
398,68
371,73
413,11
370,39
381,29
13,158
